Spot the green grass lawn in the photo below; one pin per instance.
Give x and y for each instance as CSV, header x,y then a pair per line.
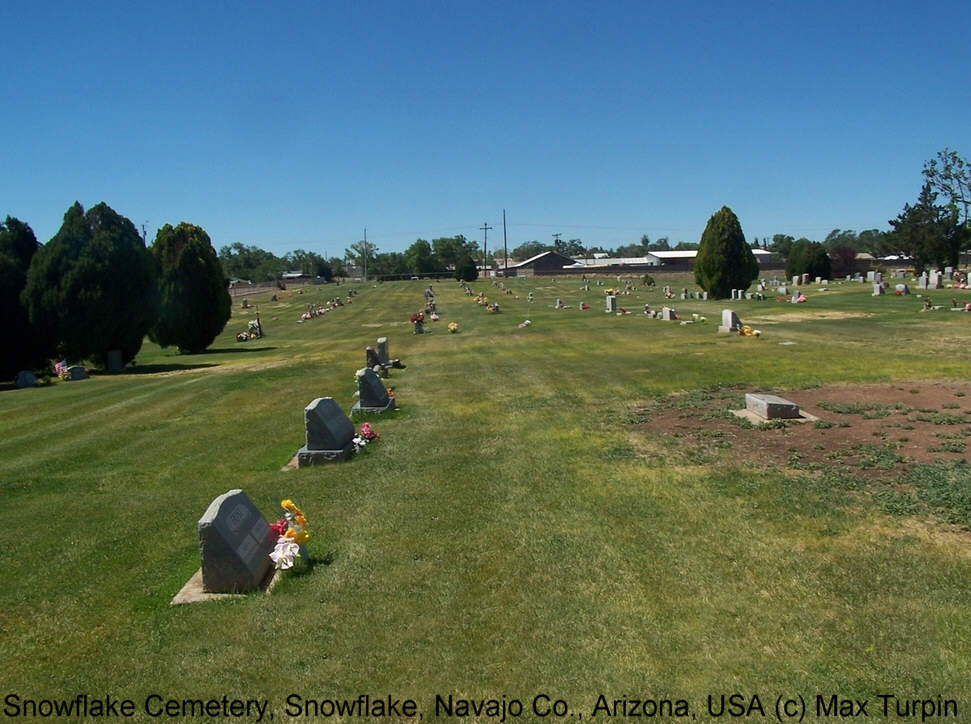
x,y
504,538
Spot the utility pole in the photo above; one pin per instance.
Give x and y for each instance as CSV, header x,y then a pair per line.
x,y
505,251
556,240
365,255
485,243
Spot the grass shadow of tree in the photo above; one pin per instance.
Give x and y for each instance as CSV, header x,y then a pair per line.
x,y
151,369
234,350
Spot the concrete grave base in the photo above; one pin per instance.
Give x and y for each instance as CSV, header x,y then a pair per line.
x,y
359,409
756,419
305,457
765,408
193,592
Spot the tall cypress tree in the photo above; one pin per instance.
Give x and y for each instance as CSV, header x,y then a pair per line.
x,y
92,287
724,261
194,302
26,347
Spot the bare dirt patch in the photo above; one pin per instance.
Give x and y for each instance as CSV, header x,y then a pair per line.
x,y
873,429
806,316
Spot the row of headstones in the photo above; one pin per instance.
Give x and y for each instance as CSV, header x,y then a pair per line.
x,y
234,538
758,296
26,378
934,279
330,433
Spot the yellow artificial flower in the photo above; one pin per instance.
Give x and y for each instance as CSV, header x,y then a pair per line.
x,y
297,536
286,504
301,520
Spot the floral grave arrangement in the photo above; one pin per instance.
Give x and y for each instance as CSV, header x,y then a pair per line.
x,y
453,327
292,533
366,435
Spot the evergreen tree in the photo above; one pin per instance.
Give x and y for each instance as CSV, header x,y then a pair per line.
x,y
928,233
25,347
194,302
466,270
93,286
808,257
724,261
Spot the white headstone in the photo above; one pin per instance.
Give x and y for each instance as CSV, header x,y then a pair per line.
x,y
730,322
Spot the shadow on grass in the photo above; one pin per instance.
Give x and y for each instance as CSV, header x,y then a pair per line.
x,y
228,350
311,562
155,369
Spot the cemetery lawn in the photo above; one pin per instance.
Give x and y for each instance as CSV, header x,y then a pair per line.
x,y
563,509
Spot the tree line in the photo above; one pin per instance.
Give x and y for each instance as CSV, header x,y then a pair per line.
x,y
96,287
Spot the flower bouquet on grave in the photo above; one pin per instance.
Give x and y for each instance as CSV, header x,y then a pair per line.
x,y
292,533
366,435
453,327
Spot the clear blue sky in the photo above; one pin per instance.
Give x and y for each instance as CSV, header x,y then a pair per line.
x,y
296,124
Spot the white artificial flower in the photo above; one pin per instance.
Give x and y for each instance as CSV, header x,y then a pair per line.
x,y
284,552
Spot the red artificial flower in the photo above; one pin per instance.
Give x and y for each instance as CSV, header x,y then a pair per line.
x,y
280,527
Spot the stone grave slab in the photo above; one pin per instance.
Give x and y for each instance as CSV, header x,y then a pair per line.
x,y
611,303
761,408
329,433
771,407
382,350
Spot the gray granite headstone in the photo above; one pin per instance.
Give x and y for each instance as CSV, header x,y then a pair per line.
x,y
782,291
113,361
234,544
902,289
668,314
382,350
611,306
730,322
922,281
329,433
25,378
373,394
877,289
771,407
77,372
869,276
934,280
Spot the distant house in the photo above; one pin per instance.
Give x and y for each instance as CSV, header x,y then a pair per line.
x,y
291,275
547,262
